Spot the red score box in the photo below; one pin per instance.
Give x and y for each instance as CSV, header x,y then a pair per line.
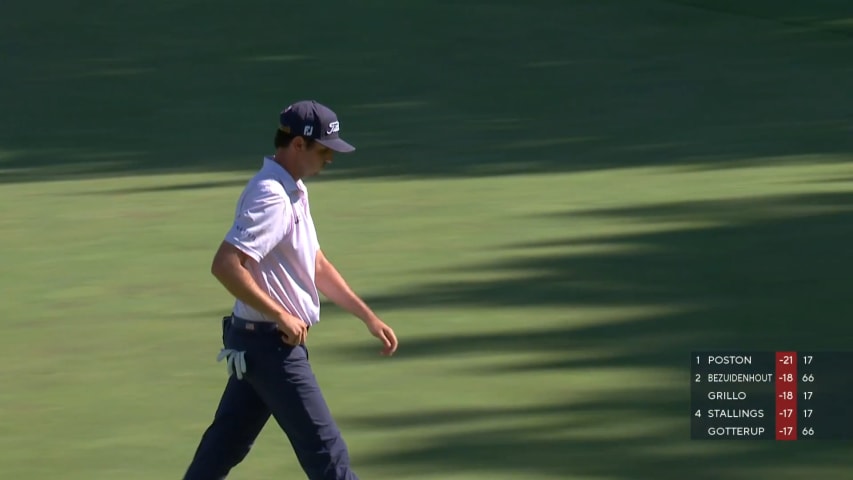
x,y
786,395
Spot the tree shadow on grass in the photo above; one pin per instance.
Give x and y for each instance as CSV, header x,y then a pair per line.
x,y
175,187
628,437
828,16
782,261
763,274
460,91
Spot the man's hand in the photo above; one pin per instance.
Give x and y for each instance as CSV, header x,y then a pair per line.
x,y
294,330
384,333
331,284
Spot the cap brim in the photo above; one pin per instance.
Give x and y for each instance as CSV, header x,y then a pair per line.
x,y
337,145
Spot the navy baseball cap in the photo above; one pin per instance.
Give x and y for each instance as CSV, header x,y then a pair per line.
x,y
313,120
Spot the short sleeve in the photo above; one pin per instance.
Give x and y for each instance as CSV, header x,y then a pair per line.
x,y
260,222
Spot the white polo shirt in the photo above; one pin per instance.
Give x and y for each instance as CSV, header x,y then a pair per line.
x,y
273,225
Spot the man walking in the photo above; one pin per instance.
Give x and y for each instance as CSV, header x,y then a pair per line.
x,y
271,262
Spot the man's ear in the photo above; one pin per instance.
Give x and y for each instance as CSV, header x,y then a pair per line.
x,y
298,144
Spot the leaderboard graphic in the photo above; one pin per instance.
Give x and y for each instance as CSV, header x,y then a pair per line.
x,y
781,396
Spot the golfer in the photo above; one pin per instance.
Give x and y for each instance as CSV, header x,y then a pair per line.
x,y
271,262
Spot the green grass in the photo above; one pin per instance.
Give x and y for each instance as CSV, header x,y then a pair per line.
x,y
553,204
538,343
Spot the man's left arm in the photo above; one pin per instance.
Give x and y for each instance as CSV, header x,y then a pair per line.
x,y
332,284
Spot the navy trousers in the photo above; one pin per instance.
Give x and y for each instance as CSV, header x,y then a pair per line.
x,y
278,382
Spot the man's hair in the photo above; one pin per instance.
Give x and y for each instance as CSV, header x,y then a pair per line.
x,y
283,140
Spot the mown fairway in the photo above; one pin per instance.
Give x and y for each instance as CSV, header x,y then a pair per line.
x,y
552,203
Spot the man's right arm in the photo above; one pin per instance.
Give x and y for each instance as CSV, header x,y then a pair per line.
x,y
228,267
259,226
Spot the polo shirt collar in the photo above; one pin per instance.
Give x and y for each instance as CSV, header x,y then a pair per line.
x,y
284,176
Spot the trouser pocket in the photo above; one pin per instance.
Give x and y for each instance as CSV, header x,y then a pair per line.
x,y
226,324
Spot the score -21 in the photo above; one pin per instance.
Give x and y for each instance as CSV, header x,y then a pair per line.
x,y
789,359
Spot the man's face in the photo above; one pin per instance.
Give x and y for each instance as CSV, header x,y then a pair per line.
x,y
315,158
